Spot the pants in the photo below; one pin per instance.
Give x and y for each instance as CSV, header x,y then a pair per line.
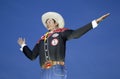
x,y
55,72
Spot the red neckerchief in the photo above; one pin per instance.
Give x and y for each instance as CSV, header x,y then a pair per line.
x,y
49,34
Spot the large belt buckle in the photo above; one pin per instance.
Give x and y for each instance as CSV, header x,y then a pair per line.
x,y
48,64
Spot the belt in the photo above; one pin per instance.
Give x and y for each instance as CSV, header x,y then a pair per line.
x,y
49,64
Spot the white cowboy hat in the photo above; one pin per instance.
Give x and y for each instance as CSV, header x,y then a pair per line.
x,y
54,15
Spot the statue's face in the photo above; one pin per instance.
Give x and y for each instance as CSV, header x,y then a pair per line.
x,y
51,24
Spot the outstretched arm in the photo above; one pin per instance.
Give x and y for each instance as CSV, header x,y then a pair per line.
x,y
82,30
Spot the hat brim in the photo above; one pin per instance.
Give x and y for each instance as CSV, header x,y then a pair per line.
x,y
54,15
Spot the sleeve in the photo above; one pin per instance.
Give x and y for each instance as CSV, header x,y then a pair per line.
x,y
74,34
94,24
31,54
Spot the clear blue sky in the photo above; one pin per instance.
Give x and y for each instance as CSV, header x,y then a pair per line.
x,y
96,55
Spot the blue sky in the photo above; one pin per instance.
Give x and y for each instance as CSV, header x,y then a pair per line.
x,y
96,55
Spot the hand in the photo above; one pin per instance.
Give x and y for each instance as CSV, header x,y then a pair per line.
x,y
102,17
21,41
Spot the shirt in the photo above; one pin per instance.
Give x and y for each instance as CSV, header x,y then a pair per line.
x,y
52,46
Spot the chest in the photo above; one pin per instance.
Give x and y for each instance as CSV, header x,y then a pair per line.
x,y
52,39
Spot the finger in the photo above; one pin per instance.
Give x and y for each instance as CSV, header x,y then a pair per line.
x,y
20,40
106,15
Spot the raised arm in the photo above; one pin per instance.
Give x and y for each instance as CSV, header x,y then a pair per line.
x,y
31,54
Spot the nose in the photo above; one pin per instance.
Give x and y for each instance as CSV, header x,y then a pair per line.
x,y
49,22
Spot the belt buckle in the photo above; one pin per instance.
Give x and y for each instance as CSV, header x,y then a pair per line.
x,y
48,64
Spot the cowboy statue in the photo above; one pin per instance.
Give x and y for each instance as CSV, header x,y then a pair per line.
x,y
52,45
